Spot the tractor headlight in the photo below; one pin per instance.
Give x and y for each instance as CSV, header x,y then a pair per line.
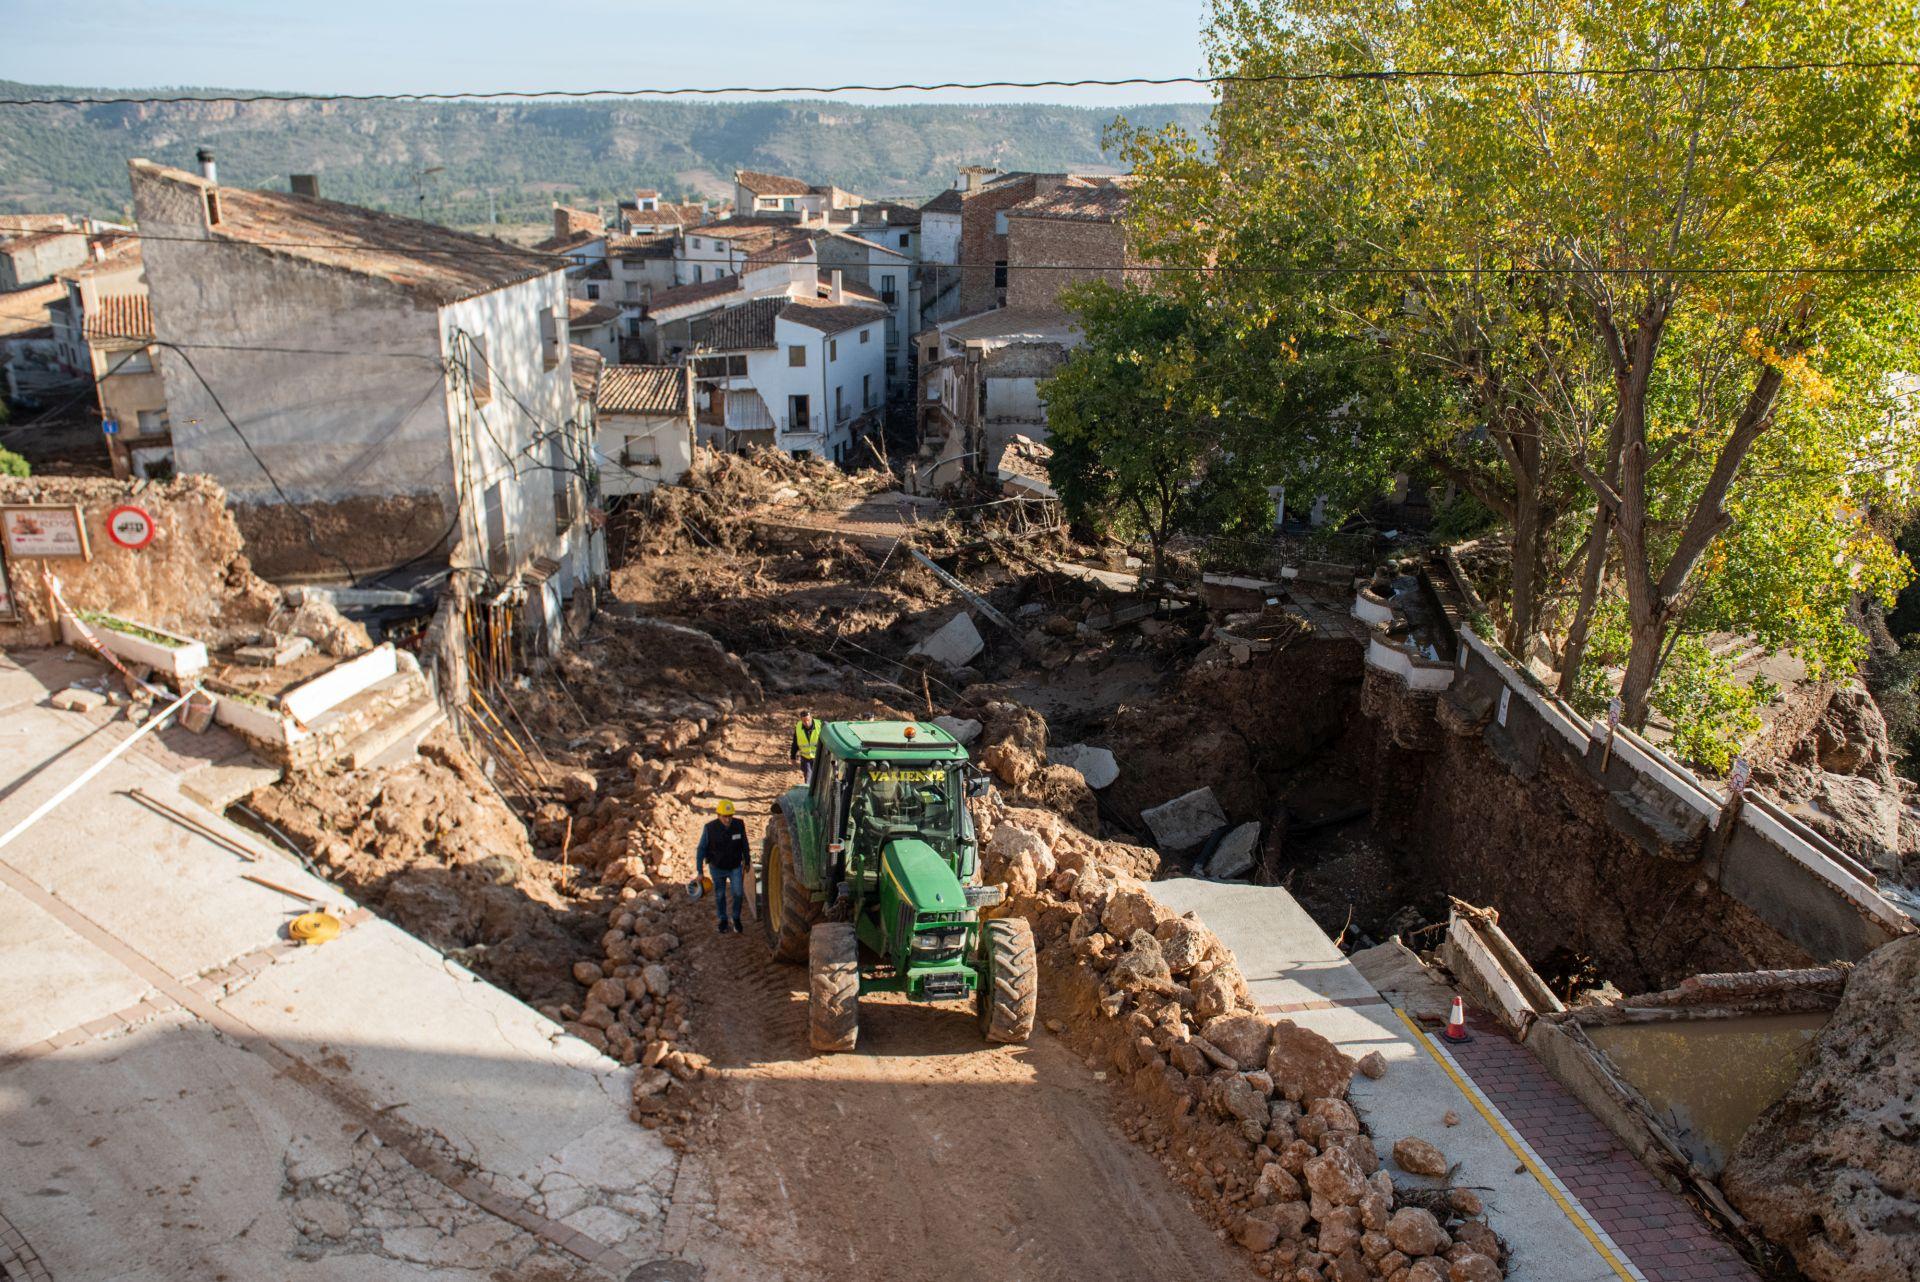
x,y
938,944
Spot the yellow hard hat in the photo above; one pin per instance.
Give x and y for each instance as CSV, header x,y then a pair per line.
x,y
724,809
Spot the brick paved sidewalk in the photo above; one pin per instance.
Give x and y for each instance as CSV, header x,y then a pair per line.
x,y
1663,1235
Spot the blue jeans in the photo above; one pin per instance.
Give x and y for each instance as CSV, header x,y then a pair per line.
x,y
731,882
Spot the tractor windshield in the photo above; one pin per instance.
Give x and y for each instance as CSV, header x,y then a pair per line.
x,y
921,799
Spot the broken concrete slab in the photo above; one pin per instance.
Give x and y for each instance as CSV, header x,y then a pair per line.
x,y
1233,857
1096,765
795,671
956,644
275,654
963,729
1186,821
78,699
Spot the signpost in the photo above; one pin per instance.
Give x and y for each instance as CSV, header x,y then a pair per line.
x,y
48,531
131,527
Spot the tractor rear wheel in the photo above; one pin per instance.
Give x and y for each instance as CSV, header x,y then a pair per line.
x,y
787,911
1009,992
833,986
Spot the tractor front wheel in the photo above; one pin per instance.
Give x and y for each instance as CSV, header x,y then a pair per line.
x,y
1009,991
833,986
787,912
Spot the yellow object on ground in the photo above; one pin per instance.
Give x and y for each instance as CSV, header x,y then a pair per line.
x,y
724,809
315,927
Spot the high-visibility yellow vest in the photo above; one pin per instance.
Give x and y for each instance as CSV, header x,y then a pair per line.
x,y
806,739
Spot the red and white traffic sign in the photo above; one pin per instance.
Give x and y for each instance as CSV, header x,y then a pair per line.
x,y
131,527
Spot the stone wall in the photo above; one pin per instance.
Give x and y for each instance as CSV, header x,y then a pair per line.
x,y
1038,247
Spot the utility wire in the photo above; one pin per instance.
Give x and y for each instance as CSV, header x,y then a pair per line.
x,y
1317,76
1215,269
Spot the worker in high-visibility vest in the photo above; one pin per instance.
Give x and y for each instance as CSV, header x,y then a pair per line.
x,y
805,745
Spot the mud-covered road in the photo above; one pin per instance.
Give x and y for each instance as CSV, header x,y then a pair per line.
x,y
926,1154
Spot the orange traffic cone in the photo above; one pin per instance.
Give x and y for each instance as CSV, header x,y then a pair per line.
x,y
1456,1030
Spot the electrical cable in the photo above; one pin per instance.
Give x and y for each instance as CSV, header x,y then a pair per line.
x,y
1210,269
1316,76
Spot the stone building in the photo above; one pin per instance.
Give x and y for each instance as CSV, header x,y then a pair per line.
x,y
379,396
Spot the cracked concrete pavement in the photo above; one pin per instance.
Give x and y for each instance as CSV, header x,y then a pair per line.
x,y
186,1095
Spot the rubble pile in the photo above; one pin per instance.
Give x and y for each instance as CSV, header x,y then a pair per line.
x,y
1832,1171
1248,1113
432,847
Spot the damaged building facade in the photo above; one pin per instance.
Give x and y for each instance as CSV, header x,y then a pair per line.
x,y
383,399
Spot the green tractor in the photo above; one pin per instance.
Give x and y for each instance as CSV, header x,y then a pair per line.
x,y
871,874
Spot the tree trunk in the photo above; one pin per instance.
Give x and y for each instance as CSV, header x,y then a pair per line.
x,y
1575,654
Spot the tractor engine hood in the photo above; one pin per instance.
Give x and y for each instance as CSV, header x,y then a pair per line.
x,y
923,881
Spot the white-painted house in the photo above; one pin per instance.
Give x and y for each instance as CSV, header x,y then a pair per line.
x,y
374,393
645,432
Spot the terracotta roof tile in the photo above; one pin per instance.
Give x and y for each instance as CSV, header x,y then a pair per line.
x,y
584,314
1102,203
643,389
586,365
831,318
681,295
120,316
770,184
743,327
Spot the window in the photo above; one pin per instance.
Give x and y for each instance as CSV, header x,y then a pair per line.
x,y
839,404
696,275
1000,274
888,294
213,209
152,422
552,345
1000,223
866,335
140,362
593,291
564,490
892,365
866,391
641,452
903,240
479,369
499,549
796,356
833,349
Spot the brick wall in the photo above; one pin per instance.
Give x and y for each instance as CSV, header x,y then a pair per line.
x,y
981,246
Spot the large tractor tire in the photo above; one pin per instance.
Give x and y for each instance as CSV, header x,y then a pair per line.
x,y
833,986
787,912
1009,991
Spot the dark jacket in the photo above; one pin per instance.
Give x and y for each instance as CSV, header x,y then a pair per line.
x,y
723,846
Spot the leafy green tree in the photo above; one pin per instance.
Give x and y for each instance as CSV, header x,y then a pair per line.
x,y
1688,282
12,464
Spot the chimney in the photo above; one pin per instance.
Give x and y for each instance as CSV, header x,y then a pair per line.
x,y
99,251
307,185
838,294
559,220
207,170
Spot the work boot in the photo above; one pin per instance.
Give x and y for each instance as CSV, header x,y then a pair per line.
x,y
722,927
736,927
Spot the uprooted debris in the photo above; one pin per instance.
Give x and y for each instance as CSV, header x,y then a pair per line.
x,y
1248,1112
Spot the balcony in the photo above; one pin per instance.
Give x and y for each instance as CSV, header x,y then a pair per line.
x,y
791,424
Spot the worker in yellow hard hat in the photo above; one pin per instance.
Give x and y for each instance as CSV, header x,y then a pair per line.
x,y
723,849
806,744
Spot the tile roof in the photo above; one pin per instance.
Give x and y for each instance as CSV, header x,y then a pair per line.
x,y
433,263
572,240
653,244
681,295
949,201
643,389
586,364
117,253
34,239
1102,203
119,316
897,214
666,214
595,270
831,318
585,314
743,327
795,249
645,193
770,184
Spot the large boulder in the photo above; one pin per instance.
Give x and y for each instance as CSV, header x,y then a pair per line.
x,y
1096,765
1233,857
1185,822
1832,1171
1304,1065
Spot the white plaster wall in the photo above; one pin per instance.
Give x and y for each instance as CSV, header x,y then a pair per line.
x,y
776,380
1015,400
669,439
509,442
713,257
359,410
940,238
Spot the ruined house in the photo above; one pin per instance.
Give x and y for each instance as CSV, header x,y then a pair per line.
x,y
382,398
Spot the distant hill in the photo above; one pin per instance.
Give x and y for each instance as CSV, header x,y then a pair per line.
x,y
528,154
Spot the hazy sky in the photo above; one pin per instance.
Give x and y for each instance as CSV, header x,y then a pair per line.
x,y
389,46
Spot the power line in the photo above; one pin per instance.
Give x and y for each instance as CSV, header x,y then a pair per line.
x,y
1217,269
1319,76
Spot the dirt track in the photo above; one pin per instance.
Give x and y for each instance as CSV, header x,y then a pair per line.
x,y
926,1154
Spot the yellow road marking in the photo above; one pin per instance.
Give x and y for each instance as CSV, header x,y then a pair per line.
x,y
1577,1217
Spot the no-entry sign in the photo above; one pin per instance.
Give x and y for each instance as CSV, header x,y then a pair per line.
x,y
131,527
